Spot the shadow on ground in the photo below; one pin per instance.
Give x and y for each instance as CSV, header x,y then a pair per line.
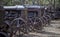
x,y
42,34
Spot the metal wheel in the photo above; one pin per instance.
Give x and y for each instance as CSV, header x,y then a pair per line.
x,y
35,24
38,24
30,24
18,26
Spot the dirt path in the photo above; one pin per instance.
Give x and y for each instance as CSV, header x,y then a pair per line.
x,y
52,31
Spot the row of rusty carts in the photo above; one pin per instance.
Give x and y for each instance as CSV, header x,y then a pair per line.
x,y
22,19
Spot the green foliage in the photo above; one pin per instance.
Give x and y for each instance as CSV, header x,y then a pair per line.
x,y
30,2
18,2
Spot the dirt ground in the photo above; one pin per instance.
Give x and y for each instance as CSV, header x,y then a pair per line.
x,y
50,31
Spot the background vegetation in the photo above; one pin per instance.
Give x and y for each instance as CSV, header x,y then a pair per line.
x,y
30,2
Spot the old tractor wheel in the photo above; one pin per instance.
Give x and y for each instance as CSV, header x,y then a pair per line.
x,y
38,24
30,25
35,24
18,26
